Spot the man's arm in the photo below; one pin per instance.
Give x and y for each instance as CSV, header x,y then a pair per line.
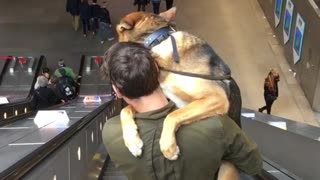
x,y
241,150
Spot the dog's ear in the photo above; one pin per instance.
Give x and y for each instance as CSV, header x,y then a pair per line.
x,y
170,14
124,26
129,21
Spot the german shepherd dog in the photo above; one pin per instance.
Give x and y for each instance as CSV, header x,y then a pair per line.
x,y
191,74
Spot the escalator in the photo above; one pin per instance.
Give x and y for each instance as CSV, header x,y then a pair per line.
x,y
17,75
38,152
11,111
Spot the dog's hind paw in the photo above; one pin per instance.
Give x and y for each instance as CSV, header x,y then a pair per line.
x,y
133,142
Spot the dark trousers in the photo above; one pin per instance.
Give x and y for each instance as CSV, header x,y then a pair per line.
x,y
269,101
141,7
156,7
85,26
169,4
94,24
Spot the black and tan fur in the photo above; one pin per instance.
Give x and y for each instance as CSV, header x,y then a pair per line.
x,y
197,98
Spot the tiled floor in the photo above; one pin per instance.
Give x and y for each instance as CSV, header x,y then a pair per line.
x,y
237,30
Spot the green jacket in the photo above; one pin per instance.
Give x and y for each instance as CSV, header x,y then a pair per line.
x,y
203,145
69,73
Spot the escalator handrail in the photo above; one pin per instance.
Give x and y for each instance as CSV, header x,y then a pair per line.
x,y
38,70
83,57
4,70
28,98
20,168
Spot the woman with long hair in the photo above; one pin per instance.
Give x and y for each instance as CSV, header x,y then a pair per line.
x,y
271,90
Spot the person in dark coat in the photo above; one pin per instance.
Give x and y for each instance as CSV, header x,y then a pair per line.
x,y
85,15
141,4
95,13
73,9
169,4
156,6
105,30
43,97
271,90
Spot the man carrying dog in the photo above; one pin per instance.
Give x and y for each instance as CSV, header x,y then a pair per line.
x,y
204,144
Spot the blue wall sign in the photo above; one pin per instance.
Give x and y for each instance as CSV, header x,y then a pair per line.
x,y
287,21
298,39
277,12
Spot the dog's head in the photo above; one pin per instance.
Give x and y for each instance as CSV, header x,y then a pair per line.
x,y
138,25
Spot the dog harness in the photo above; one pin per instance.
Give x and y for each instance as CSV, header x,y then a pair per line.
x,y
162,34
158,36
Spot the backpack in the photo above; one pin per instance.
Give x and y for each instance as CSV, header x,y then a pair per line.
x,y
66,86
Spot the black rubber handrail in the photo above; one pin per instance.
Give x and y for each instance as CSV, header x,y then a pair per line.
x,y
4,69
20,168
37,71
83,57
41,62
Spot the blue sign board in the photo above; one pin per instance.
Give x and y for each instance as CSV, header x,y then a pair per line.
x,y
277,12
287,21
298,39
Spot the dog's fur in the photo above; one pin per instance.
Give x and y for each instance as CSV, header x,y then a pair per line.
x,y
196,97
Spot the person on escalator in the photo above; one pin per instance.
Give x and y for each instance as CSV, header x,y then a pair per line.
x,y
46,73
66,86
43,97
67,81
68,71
204,145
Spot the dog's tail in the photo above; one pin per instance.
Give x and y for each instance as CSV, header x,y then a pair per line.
x,y
234,97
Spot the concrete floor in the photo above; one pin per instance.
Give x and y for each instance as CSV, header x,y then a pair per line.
x,y
237,30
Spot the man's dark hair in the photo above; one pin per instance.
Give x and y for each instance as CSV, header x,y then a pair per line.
x,y
94,1
131,69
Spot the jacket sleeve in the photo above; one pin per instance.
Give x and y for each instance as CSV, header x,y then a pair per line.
x,y
240,149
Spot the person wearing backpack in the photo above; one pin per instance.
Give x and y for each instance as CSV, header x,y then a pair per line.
x,y
66,86
69,72
66,81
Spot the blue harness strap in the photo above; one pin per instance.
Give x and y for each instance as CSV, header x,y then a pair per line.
x,y
158,36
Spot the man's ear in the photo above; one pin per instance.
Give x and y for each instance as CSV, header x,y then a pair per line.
x,y
116,90
170,14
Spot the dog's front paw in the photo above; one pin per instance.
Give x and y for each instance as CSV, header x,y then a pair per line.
x,y
132,141
169,147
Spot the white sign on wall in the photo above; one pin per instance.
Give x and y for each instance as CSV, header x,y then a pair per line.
x,y
277,12
298,39
287,21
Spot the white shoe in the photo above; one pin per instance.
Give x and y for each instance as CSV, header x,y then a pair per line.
x,y
110,39
101,42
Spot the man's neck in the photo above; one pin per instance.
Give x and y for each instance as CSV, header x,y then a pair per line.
x,y
154,101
